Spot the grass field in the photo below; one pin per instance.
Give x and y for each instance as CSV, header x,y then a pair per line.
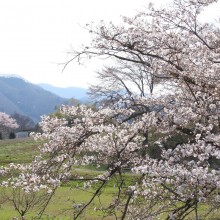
x,y
17,150
61,205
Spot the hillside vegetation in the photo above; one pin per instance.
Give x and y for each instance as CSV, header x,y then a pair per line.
x,y
20,96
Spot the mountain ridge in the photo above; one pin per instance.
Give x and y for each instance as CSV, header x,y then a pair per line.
x,y
17,95
66,92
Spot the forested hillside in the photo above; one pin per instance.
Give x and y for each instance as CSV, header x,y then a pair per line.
x,y
20,96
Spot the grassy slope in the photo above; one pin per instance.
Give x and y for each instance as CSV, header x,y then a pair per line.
x,y
23,151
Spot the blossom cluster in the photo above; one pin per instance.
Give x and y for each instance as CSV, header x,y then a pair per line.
x,y
7,121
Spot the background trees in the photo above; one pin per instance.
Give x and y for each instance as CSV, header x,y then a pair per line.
x,y
25,123
167,48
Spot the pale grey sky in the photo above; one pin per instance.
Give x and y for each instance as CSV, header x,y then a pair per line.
x,y
35,35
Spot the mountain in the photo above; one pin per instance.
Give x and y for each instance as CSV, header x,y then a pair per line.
x,y
20,96
69,92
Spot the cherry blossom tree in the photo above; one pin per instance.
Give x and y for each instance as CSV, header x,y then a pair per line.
x,y
7,124
168,48
7,121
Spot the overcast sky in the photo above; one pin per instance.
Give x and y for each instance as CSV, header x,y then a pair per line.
x,y
36,34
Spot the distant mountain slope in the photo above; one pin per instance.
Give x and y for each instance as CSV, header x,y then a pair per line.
x,y
69,92
20,96
7,105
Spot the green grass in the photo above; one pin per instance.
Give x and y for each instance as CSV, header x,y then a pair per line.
x,y
61,205
71,192
17,150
